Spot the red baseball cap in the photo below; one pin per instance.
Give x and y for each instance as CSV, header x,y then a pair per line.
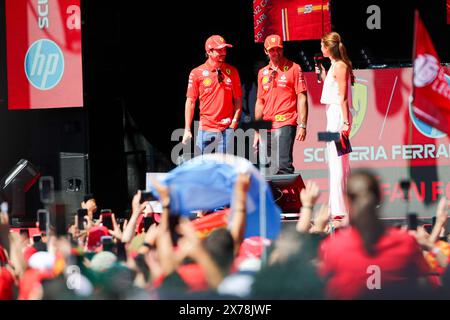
x,y
216,42
95,235
272,41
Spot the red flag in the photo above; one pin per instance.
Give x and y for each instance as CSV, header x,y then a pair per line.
x,y
292,20
431,91
208,223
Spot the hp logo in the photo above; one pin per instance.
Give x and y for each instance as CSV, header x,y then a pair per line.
x,y
44,64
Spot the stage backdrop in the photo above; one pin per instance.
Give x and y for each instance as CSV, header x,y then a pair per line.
x,y
386,138
43,40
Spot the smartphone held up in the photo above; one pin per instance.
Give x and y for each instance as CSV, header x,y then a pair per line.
x,y
106,215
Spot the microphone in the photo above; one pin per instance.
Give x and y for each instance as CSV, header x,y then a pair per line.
x,y
318,59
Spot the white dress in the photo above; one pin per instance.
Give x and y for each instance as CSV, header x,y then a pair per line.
x,y
338,167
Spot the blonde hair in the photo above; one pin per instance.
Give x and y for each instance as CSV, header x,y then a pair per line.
x,y
332,41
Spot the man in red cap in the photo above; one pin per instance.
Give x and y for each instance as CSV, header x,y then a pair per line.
x,y
218,87
281,98
95,237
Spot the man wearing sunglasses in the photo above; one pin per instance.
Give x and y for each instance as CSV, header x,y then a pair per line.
x,y
281,99
218,87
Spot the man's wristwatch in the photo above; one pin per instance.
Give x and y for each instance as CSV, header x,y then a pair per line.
x,y
347,123
302,125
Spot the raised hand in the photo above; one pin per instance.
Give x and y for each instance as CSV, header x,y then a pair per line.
x,y
442,211
116,232
310,194
136,205
441,219
242,183
321,219
163,191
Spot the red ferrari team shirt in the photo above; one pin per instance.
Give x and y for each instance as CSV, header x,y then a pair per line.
x,y
279,87
215,90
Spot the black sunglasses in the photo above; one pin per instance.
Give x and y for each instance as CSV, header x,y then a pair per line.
x,y
220,75
273,75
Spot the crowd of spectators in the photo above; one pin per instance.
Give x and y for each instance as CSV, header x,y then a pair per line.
x,y
155,254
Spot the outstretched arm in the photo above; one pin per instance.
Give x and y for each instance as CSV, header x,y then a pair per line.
x,y
308,196
136,208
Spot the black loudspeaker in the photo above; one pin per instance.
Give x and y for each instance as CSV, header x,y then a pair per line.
x,y
13,187
74,179
286,191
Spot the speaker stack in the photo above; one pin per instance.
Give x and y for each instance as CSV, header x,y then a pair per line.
x,y
286,193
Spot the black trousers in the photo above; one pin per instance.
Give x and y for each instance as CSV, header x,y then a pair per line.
x,y
276,150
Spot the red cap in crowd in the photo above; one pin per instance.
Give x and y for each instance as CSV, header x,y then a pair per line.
x,y
273,41
216,42
251,248
95,237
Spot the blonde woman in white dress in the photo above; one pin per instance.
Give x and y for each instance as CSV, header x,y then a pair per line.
x,y
336,94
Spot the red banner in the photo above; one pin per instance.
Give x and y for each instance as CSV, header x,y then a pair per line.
x,y
431,89
44,54
292,20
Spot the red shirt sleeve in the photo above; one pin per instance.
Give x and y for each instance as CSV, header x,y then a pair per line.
x,y
237,88
192,89
300,83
